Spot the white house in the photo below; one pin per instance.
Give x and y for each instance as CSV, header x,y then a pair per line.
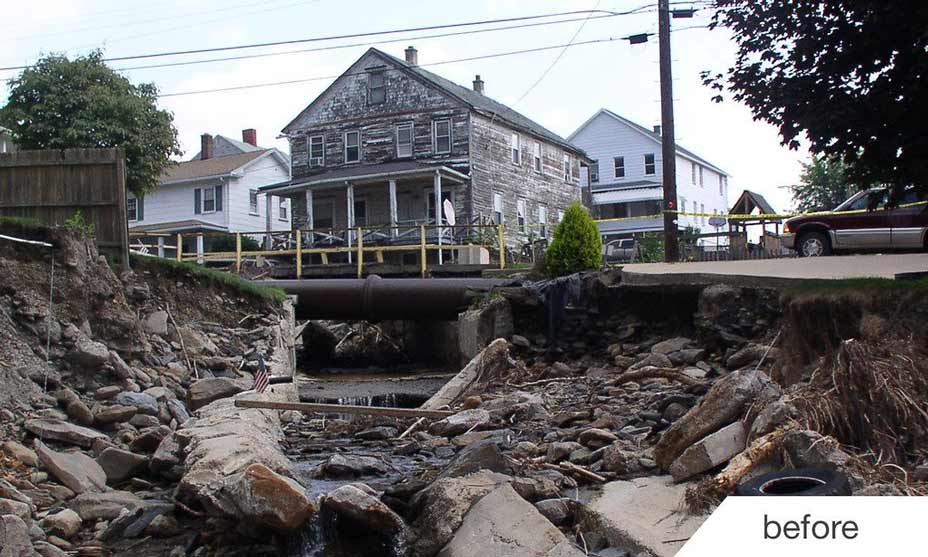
x,y
6,141
626,175
216,191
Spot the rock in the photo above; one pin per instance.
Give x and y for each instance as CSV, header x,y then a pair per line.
x,y
120,367
196,342
619,461
207,390
560,510
709,452
163,526
103,506
22,510
721,405
77,471
442,505
378,433
809,448
460,422
560,450
20,452
179,412
88,354
46,549
623,362
501,437
79,412
350,466
145,403
14,537
156,323
482,455
527,449
9,491
143,421
771,417
144,517
108,392
688,356
472,402
269,499
751,354
596,438
559,369
502,523
64,523
59,430
694,372
671,345
653,359
149,439
674,411
365,510
113,414
168,455
520,341
119,464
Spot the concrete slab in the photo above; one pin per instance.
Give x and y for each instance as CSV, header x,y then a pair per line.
x,y
775,272
644,514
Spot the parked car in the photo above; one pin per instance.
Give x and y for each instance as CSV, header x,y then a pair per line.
x,y
874,226
619,251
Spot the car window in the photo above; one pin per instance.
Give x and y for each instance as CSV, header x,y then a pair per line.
x,y
868,202
628,243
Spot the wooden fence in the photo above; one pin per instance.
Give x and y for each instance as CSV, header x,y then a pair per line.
x,y
52,185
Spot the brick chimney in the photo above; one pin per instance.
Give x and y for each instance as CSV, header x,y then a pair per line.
x,y
206,146
657,129
478,84
250,136
412,56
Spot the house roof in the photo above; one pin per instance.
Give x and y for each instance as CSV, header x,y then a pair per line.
x,y
215,166
223,145
479,102
749,200
371,172
177,226
650,134
622,185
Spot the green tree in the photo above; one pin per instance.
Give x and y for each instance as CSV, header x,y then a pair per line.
x,y
822,185
576,245
60,104
849,76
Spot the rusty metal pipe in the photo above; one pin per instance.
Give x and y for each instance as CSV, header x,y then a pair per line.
x,y
378,299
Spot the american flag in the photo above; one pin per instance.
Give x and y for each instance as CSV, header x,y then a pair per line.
x,y
261,376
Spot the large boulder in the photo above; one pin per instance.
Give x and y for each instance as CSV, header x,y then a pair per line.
x,y
503,523
59,430
103,506
77,471
269,499
364,509
208,390
14,537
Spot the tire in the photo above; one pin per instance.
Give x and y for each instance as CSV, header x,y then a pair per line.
x,y
813,244
797,482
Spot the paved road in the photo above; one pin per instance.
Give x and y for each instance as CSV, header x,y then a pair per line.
x,y
774,272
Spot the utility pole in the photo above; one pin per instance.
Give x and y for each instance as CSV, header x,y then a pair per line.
x,y
668,146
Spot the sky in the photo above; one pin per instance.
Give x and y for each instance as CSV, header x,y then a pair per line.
x,y
559,88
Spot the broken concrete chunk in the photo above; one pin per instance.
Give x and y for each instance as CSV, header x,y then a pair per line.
x,y
709,452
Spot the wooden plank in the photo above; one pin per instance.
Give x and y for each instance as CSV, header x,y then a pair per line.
x,y
309,408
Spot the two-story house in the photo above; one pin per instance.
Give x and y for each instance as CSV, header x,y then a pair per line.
x,y
390,143
626,176
216,191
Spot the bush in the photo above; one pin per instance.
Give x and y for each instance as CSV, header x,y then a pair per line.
x,y
227,243
576,246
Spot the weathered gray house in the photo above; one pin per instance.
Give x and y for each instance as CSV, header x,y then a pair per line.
x,y
389,142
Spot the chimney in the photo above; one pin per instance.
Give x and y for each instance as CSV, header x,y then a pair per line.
x,y
657,129
250,136
206,146
478,84
412,56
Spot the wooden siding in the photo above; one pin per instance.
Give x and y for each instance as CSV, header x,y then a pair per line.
x,y
52,185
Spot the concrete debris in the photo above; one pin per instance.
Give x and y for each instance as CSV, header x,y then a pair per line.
x,y
709,452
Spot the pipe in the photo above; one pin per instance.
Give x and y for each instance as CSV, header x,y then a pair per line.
x,y
377,299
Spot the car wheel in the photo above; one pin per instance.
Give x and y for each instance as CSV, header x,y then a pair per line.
x,y
814,244
798,482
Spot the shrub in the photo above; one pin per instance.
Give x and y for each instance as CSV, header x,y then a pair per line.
x,y
576,245
227,243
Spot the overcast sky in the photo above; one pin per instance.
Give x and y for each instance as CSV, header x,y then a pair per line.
x,y
614,75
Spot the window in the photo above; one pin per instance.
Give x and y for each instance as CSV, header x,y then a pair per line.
x,y
720,185
404,140
498,208
702,209
536,158
207,200
323,213
376,91
360,212
317,150
253,202
566,167
282,208
430,204
543,221
132,208
619,167
594,171
693,173
694,209
681,206
352,146
515,148
520,214
442,134
701,183
649,168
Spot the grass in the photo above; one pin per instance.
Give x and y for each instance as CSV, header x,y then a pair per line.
x,y
23,223
826,286
210,276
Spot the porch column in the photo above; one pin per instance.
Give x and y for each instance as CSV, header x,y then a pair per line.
x,y
200,249
268,207
350,213
161,246
309,215
393,230
438,210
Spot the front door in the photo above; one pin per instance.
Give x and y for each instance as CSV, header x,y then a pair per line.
x,y
868,229
909,223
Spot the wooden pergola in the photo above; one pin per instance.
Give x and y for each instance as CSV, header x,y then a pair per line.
x,y
747,204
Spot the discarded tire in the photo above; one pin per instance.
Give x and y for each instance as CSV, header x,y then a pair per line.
x,y
798,482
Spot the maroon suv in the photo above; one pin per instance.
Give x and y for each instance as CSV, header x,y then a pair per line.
x,y
877,227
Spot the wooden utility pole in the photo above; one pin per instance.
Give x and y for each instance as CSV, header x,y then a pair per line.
x,y
668,146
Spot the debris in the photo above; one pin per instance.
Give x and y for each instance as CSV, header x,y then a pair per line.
x,y
710,451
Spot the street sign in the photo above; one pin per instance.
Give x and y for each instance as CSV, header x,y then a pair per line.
x,y
449,211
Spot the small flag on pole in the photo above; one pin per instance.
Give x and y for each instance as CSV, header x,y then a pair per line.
x,y
261,377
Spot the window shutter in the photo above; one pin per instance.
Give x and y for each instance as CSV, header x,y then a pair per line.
x,y
196,202
218,198
140,208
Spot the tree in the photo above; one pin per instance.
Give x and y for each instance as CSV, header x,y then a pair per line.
x,y
576,245
851,76
822,185
60,103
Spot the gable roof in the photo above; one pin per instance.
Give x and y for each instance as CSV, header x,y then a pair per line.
x,y
749,200
686,153
223,146
476,101
213,167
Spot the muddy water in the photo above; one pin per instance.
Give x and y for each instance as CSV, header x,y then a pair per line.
x,y
369,387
